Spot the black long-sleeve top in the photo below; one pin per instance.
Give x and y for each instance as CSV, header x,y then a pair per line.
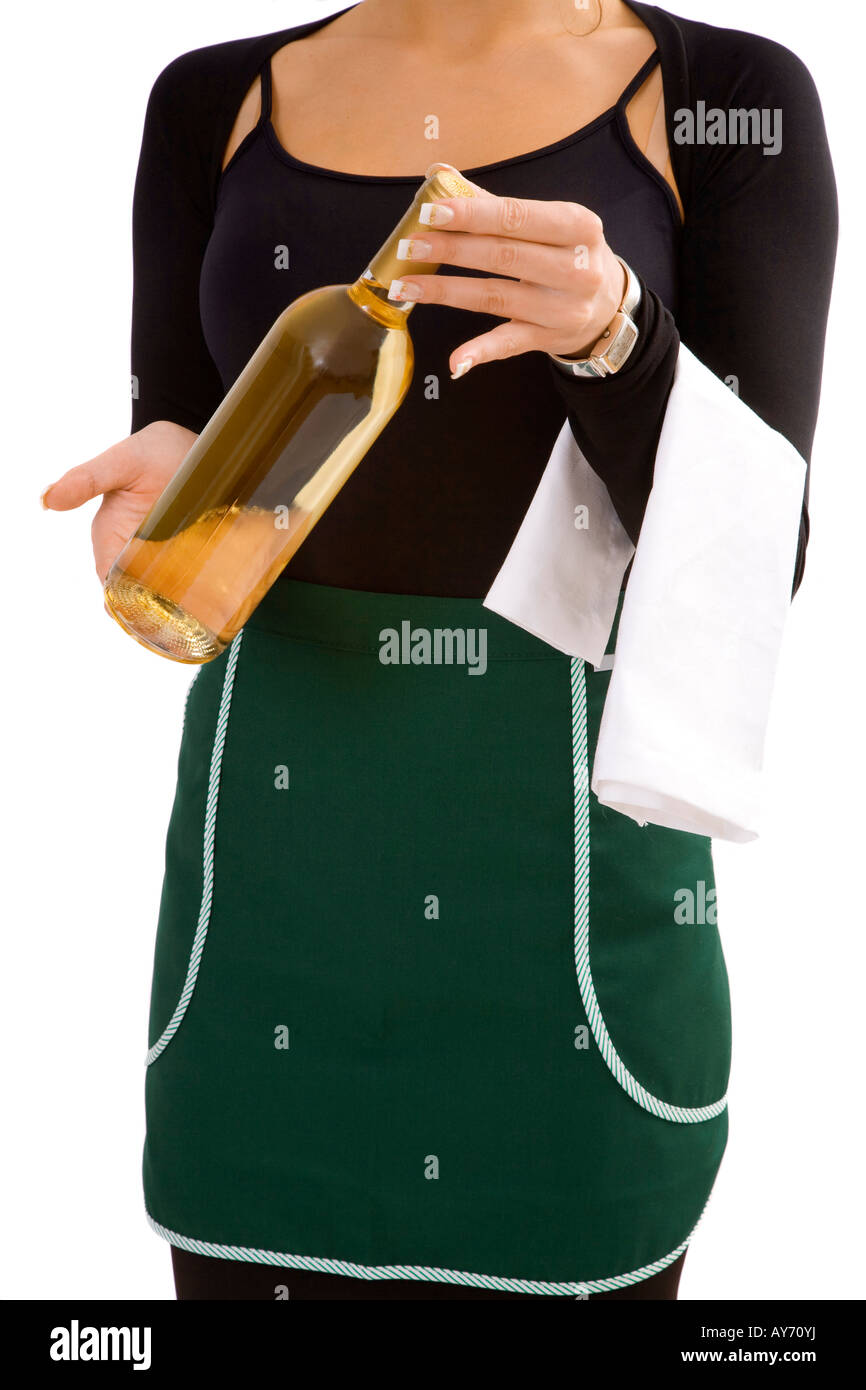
x,y
744,282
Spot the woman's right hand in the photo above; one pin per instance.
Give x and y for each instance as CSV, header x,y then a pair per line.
x,y
131,474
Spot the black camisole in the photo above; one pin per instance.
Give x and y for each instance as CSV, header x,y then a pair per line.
x,y
436,502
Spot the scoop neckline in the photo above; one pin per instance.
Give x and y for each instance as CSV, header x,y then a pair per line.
x,y
277,147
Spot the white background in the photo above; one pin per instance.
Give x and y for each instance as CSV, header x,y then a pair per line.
x,y
92,722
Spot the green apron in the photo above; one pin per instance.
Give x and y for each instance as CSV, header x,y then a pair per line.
x,y
422,1007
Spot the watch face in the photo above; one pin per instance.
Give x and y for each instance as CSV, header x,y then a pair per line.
x,y
623,342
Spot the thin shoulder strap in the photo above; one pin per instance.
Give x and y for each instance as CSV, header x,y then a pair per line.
x,y
265,75
639,78
656,149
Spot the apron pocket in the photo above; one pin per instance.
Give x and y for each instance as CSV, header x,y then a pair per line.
x,y
188,884
648,955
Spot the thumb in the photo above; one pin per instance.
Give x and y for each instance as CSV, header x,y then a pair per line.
x,y
104,473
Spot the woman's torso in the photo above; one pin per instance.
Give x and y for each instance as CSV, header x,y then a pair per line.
x,y
438,498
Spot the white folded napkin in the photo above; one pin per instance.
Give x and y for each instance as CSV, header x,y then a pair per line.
x,y
684,721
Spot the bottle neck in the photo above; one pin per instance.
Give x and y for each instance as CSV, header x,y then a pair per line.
x,y
370,290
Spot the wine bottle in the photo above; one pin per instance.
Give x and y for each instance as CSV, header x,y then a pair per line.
x,y
318,390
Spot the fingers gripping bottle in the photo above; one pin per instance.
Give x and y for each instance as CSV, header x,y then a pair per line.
x,y
318,390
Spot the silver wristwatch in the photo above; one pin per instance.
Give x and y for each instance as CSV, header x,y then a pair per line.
x,y
616,342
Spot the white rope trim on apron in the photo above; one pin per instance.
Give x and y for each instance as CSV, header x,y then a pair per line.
x,y
431,1273
679,1114
207,854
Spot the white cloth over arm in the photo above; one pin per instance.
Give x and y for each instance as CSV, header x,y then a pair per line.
x,y
684,721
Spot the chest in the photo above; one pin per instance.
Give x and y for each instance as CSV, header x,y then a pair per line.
x,y
353,107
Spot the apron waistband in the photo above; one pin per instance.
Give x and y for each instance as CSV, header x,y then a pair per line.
x,y
356,619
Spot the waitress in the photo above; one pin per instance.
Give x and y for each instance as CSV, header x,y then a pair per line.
x,y
429,1019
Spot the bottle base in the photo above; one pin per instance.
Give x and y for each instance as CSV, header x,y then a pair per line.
x,y
159,624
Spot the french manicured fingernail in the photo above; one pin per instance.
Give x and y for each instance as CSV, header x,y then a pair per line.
x,y
411,249
435,214
462,368
42,496
404,289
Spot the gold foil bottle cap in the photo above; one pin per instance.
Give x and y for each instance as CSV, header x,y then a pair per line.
x,y
440,181
450,180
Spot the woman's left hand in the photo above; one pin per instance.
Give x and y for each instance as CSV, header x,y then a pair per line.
x,y
567,284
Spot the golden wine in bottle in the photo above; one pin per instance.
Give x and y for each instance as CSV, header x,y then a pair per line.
x,y
318,390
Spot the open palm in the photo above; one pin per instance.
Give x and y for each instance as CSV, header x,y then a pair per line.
x,y
130,476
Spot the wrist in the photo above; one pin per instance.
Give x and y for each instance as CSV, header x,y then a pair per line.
x,y
612,348
613,298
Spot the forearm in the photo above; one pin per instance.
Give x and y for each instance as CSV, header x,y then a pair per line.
x,y
617,419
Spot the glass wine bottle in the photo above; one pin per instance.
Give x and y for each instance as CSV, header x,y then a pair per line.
x,y
318,390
